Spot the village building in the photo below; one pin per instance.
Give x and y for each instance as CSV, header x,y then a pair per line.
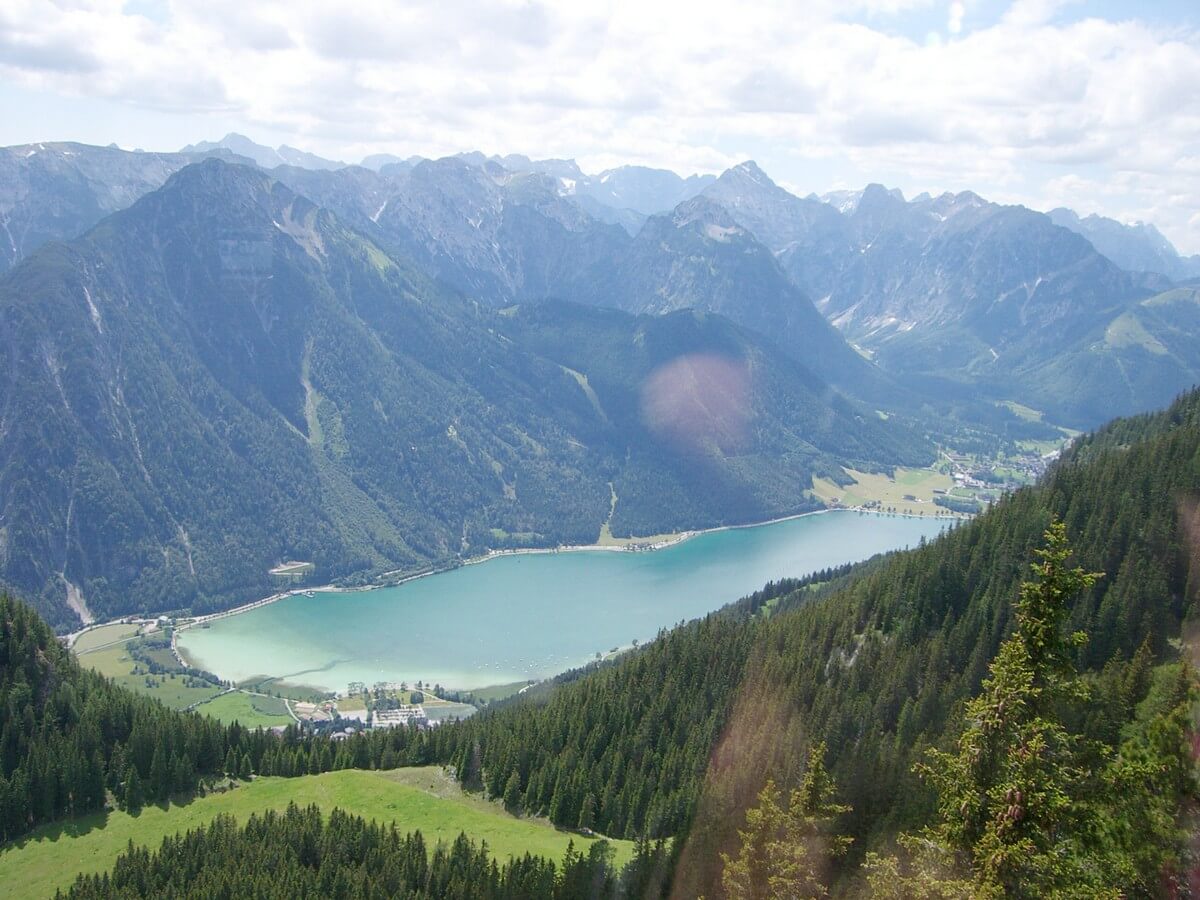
x,y
314,713
405,714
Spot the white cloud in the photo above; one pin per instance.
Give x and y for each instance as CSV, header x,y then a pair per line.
x,y
954,19
1012,108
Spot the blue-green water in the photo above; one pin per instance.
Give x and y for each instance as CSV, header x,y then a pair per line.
x,y
530,615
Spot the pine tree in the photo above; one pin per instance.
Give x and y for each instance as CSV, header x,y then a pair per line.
x,y
587,813
133,790
1012,798
184,777
94,788
160,774
512,792
787,852
746,877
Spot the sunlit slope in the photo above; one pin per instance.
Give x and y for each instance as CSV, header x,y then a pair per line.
x,y
415,799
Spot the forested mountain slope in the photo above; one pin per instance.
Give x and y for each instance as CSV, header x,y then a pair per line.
x,y
956,298
769,402
877,663
225,376
68,735
1141,355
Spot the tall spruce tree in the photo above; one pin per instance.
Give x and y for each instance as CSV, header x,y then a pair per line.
x,y
1013,796
1026,807
786,852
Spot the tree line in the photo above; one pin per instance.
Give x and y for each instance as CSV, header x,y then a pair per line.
x,y
299,853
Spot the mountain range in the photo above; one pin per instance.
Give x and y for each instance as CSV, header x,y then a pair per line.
x,y
54,191
266,157
188,337
1138,247
225,375
966,297
950,297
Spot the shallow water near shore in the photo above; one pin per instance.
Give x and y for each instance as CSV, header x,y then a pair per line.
x,y
530,615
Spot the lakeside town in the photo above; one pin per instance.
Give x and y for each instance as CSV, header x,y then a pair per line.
x,y
383,704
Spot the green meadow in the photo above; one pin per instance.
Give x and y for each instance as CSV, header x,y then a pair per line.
x,y
423,799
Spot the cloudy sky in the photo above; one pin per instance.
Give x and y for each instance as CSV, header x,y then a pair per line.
x,y
1094,105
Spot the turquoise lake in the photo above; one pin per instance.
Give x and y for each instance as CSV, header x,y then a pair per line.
x,y
528,616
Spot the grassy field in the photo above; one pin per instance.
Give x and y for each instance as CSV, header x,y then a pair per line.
x,y
111,661
1029,414
1127,331
520,537
105,634
251,710
424,799
497,691
268,684
171,690
889,492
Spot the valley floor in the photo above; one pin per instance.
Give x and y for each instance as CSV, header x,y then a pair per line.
x,y
908,492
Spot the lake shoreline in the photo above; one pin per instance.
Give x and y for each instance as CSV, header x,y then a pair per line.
x,y
635,546
534,617
630,547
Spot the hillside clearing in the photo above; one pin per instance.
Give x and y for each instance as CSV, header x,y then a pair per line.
x,y
422,799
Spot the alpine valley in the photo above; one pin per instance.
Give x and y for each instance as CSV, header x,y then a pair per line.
x,y
247,392
183,379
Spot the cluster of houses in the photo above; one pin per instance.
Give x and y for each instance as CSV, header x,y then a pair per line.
x,y
403,715
326,718
1028,466
385,712
315,712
